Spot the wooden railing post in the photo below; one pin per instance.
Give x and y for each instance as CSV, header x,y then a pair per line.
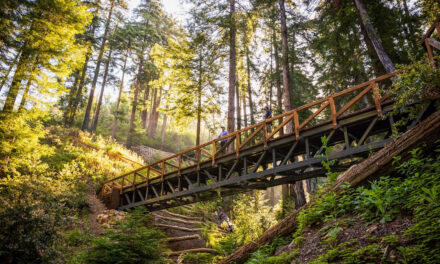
x,y
265,134
376,96
213,153
237,139
333,112
296,123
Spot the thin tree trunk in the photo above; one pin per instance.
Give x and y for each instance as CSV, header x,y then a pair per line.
x,y
85,124
152,124
72,95
164,128
28,85
144,113
238,106
156,115
245,120
372,35
232,69
5,78
19,75
134,104
118,102
104,80
251,104
199,101
278,80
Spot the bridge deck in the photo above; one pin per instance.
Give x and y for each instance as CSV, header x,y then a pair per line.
x,y
258,158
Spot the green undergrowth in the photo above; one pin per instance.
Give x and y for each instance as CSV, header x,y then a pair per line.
x,y
45,183
414,192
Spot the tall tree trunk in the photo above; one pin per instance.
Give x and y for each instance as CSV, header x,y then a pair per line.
x,y
118,102
85,124
134,104
285,64
28,85
245,120
164,128
199,101
82,81
144,113
72,94
19,75
232,69
372,35
151,124
12,64
238,106
278,80
251,103
298,186
156,114
104,80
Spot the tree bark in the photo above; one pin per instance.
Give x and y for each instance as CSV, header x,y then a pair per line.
x,y
278,80
199,101
232,69
238,106
85,124
118,102
5,78
134,104
144,113
285,64
28,85
19,75
104,80
372,35
251,103
164,128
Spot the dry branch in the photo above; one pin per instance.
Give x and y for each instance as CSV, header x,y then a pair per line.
x,y
181,238
178,220
182,216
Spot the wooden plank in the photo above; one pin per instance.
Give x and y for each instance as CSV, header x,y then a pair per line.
x,y
376,97
333,112
206,152
172,165
280,126
434,43
353,101
251,136
430,54
310,118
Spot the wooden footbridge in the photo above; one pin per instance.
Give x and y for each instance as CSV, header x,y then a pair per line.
x,y
356,122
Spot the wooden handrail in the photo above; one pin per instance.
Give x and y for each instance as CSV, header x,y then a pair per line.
x,y
292,114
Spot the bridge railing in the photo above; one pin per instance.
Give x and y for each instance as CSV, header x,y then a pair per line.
x,y
329,108
428,42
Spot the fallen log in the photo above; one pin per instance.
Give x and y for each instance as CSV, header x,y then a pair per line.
x,y
182,216
193,250
426,132
177,220
179,228
181,238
